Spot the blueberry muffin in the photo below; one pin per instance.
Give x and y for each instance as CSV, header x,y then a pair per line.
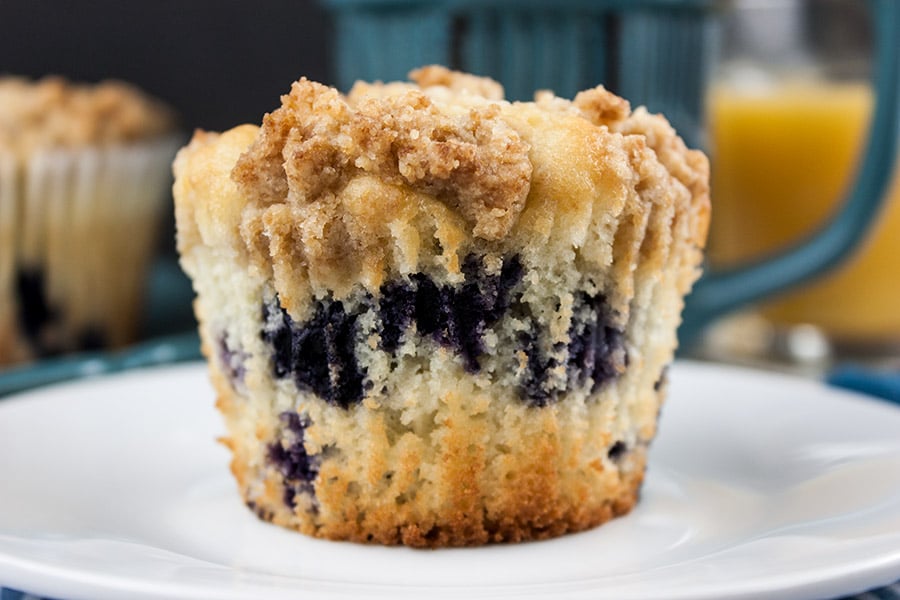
x,y
84,172
436,318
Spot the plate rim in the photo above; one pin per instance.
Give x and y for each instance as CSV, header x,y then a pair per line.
x,y
882,570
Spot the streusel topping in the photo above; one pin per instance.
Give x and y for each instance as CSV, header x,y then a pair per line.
x,y
336,191
55,113
312,147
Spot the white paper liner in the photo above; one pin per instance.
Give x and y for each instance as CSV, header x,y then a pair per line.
x,y
10,349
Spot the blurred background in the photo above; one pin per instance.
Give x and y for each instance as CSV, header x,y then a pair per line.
x,y
217,62
778,92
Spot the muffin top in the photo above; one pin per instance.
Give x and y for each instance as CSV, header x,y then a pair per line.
x,y
55,113
335,191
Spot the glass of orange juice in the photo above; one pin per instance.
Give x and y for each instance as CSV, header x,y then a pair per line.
x,y
787,119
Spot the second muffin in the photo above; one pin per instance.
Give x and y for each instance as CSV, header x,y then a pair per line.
x,y
84,171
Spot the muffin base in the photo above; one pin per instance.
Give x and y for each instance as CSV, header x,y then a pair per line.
x,y
535,507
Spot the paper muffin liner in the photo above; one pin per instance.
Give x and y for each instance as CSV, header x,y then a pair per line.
x,y
77,231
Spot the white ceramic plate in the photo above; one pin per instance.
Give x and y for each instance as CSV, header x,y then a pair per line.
x,y
759,486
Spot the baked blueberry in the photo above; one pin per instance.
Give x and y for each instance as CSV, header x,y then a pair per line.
x,y
35,311
288,455
597,346
232,359
454,315
319,353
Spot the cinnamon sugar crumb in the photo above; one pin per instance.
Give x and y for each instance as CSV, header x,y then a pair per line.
x,y
56,113
602,107
316,142
436,75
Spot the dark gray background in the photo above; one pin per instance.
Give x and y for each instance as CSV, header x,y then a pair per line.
x,y
218,62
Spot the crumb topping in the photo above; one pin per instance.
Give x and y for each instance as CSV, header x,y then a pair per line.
x,y
316,143
602,107
334,192
53,112
436,75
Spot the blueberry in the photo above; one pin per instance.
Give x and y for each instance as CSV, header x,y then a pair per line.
x,y
533,387
617,451
430,310
310,359
435,311
663,378
467,324
35,311
261,512
319,354
596,345
346,381
231,359
92,338
290,458
455,316
595,352
510,276
396,309
277,326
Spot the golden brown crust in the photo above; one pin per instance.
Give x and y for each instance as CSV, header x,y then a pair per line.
x,y
538,496
210,208
689,167
53,113
535,519
436,75
602,107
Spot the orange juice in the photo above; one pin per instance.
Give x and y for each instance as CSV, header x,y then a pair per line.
x,y
783,158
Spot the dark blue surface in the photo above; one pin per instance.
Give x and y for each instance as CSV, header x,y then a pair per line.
x,y
882,384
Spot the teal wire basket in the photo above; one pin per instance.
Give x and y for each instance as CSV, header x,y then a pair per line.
x,y
656,53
